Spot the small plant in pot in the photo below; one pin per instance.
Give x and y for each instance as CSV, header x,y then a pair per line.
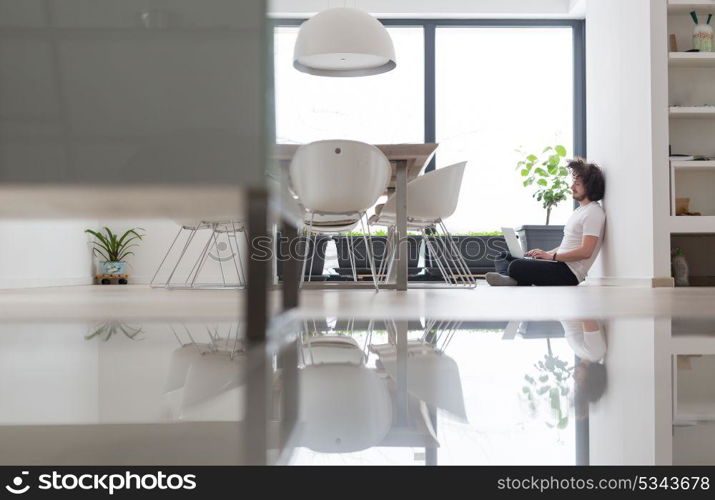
x,y
549,175
114,248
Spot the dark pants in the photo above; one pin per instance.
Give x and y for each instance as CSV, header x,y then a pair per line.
x,y
535,272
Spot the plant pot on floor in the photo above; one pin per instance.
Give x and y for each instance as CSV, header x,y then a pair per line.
x,y
479,252
296,249
362,265
539,236
114,267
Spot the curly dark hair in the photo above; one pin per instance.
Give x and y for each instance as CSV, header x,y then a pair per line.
x,y
591,176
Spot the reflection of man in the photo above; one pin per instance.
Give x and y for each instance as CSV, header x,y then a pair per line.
x,y
588,342
579,247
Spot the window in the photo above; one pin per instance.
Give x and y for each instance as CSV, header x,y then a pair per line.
x,y
381,109
499,89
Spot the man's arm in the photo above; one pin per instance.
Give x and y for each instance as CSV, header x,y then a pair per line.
x,y
588,245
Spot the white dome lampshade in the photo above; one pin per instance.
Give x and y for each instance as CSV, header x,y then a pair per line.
x,y
343,42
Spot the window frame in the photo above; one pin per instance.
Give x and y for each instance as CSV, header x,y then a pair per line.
x,y
429,27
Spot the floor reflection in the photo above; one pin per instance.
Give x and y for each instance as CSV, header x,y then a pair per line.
x,y
355,391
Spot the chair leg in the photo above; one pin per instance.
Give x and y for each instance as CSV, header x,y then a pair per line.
x,y
460,262
235,254
351,256
189,239
394,241
151,283
368,246
312,254
432,250
385,256
202,260
218,253
306,247
446,254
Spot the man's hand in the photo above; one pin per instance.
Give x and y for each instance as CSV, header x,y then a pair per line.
x,y
538,253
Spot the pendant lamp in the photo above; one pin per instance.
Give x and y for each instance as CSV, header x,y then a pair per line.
x,y
343,42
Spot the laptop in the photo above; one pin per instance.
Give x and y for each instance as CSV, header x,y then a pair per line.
x,y
515,248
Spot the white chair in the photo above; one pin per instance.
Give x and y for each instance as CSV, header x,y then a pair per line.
x,y
431,198
226,230
336,181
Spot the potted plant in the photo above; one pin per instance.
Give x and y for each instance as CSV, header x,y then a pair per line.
x,y
479,250
114,248
548,174
379,243
551,384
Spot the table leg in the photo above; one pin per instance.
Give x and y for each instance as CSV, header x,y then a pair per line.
x,y
401,226
256,312
291,267
401,379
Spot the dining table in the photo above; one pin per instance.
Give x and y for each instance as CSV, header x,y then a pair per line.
x,y
407,162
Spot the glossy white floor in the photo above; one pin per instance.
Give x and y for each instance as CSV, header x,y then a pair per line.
x,y
484,302
164,385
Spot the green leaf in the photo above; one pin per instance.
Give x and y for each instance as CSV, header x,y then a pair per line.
x,y
532,158
563,171
542,182
524,172
555,399
541,172
560,150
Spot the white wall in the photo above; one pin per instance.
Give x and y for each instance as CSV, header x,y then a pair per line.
x,y
36,253
627,134
159,234
632,422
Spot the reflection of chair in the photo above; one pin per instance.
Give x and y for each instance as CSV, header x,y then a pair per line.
x,y
200,373
432,197
344,407
223,239
336,182
432,376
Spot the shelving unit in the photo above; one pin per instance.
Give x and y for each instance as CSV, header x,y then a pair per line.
x,y
691,59
684,224
693,165
692,111
683,7
691,123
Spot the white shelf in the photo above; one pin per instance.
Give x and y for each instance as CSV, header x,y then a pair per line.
x,y
693,165
692,111
687,224
680,6
692,59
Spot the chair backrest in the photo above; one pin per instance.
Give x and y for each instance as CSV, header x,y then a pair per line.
x,y
433,195
339,176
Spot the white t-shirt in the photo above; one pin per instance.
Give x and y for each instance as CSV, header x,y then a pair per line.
x,y
586,220
586,345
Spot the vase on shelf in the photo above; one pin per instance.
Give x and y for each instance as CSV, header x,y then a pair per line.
x,y
680,268
702,34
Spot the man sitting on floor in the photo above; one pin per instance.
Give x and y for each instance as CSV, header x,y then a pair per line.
x,y
582,239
